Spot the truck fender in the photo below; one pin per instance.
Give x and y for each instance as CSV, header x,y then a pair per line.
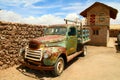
x,y
52,60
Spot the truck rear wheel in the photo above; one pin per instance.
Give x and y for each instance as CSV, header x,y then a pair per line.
x,y
59,67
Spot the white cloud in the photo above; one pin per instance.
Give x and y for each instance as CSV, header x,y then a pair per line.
x,y
72,7
26,3
45,7
30,2
10,16
76,7
72,16
49,19
60,13
44,20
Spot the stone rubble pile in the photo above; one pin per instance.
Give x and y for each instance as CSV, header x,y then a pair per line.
x,y
14,36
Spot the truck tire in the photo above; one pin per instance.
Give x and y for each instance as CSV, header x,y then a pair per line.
x,y
59,67
84,53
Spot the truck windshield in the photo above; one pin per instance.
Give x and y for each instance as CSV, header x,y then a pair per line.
x,y
56,31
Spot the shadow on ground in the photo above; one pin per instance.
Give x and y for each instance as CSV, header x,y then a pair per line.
x,y
40,75
37,74
117,48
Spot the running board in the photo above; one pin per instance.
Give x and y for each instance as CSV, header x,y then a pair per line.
x,y
69,58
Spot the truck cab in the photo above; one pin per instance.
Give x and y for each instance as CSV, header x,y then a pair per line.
x,y
59,45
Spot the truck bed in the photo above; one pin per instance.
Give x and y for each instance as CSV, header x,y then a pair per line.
x,y
83,35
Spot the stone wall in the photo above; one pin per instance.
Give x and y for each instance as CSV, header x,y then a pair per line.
x,y
99,24
114,33
13,36
102,15
100,39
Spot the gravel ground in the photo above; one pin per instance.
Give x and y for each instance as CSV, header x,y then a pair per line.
x,y
101,63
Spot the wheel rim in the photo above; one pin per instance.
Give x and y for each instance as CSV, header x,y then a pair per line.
x,y
60,66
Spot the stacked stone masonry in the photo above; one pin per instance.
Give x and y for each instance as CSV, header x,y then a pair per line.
x,y
14,36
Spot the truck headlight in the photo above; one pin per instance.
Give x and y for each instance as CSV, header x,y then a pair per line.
x,y
47,54
42,46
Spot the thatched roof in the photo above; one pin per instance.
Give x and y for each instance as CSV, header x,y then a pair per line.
x,y
113,12
115,27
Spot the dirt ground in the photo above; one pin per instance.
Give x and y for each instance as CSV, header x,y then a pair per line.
x,y
101,63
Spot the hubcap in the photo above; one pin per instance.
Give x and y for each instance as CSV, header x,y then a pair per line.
x,y
60,66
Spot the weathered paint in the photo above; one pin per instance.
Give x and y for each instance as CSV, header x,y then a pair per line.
x,y
71,44
55,53
59,43
55,45
50,38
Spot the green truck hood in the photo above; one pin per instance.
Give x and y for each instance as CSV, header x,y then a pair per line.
x,y
50,38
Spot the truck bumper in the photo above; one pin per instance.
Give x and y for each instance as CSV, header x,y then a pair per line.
x,y
39,67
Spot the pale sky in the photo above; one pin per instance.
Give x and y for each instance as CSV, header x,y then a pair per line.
x,y
48,12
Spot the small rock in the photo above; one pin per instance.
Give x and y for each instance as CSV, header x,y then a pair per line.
x,y
1,63
12,63
5,66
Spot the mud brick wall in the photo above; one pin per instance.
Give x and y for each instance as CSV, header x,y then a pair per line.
x,y
13,36
114,33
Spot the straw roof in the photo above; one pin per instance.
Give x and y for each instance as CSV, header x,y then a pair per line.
x,y
113,12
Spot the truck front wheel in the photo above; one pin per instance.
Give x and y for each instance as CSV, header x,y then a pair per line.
x,y
59,67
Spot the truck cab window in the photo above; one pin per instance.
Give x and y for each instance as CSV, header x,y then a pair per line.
x,y
72,31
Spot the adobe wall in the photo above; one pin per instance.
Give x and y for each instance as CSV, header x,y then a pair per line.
x,y
101,23
101,39
13,36
99,10
114,33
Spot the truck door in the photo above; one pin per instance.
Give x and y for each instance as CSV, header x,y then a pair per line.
x,y
71,40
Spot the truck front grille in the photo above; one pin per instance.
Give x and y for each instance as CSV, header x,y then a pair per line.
x,y
35,55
